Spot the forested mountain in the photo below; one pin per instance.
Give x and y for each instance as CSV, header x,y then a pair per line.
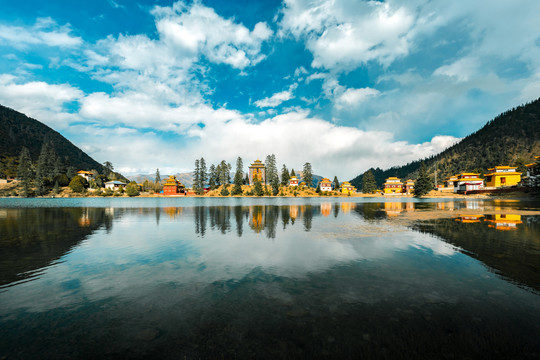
x,y
18,130
512,138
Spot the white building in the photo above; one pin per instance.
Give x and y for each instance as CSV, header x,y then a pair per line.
x,y
468,182
115,184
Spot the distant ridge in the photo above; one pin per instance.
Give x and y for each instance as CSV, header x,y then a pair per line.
x,y
18,130
511,138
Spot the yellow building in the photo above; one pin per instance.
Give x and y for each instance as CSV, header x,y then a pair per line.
x,y
347,188
409,187
501,176
257,172
393,185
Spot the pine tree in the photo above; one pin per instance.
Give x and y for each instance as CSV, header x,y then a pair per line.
x,y
423,184
203,175
368,183
292,173
212,177
238,177
24,171
45,168
246,180
257,188
224,172
196,177
59,167
285,176
108,167
157,181
307,175
336,183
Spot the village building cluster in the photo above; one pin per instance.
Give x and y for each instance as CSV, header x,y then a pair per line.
x,y
498,177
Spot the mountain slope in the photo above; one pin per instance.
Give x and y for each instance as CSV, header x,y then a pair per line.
x,y
512,138
18,130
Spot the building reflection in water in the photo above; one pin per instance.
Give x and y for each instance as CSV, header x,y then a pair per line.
x,y
469,219
326,209
172,212
504,221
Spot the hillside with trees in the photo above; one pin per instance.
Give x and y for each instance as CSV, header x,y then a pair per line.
x,y
18,131
511,138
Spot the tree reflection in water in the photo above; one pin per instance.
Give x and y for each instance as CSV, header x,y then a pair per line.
x,y
34,238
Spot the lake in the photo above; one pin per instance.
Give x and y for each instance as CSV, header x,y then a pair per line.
x,y
200,278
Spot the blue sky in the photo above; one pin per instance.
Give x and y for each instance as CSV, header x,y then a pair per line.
x,y
343,84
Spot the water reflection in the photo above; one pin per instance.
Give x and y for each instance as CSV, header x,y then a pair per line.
x,y
305,280
507,243
31,239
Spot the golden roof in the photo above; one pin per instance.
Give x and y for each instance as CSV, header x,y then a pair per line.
x,y
257,163
503,167
503,173
84,172
325,180
392,178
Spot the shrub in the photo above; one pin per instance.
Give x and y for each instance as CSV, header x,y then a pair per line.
x,y
132,189
61,179
107,192
224,191
78,184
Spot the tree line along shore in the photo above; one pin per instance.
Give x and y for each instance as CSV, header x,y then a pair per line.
x,y
50,177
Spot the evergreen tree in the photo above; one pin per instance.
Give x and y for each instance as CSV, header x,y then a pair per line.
x,y
271,170
336,183
423,184
224,172
218,175
45,168
212,177
196,177
285,176
71,172
59,167
108,167
307,175
238,177
292,173
157,181
203,175
257,188
246,180
368,182
24,171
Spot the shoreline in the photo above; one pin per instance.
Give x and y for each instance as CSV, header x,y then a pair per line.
x,y
507,196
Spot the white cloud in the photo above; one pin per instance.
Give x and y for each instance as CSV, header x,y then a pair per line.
x,y
461,70
44,32
344,34
354,97
40,100
142,111
296,138
198,28
277,98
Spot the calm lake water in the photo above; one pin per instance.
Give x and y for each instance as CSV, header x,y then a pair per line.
x,y
269,278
